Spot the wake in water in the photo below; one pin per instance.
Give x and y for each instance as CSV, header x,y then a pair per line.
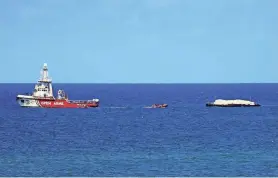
x,y
148,107
116,107
127,107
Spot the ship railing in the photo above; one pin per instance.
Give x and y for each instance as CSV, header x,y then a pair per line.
x,y
48,80
81,101
77,101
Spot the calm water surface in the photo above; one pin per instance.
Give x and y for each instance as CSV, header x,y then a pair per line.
x,y
121,138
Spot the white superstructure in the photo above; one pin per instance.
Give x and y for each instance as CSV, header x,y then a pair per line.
x,y
44,86
43,89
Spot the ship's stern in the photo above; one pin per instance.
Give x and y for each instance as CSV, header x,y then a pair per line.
x,y
94,103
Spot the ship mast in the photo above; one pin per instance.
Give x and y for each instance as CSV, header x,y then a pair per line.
x,y
44,75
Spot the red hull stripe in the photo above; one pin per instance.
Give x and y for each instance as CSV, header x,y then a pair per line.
x,y
65,104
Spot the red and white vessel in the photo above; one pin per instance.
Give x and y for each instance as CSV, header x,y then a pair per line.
x,y
42,96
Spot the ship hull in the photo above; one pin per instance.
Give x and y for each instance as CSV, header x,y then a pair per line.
x,y
29,101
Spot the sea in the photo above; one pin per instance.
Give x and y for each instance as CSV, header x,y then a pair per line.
x,y
123,138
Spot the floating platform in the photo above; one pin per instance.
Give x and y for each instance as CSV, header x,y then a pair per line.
x,y
232,103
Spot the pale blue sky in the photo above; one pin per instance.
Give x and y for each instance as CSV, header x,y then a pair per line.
x,y
140,41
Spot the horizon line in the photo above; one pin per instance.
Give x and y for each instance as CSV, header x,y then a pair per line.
x,y
156,83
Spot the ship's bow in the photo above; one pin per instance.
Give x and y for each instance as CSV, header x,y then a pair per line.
x,y
26,101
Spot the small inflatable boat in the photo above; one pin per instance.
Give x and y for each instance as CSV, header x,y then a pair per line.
x,y
159,106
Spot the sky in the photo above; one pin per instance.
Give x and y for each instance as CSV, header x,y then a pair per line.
x,y
139,41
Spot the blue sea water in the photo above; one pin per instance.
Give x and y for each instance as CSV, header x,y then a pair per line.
x,y
121,138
